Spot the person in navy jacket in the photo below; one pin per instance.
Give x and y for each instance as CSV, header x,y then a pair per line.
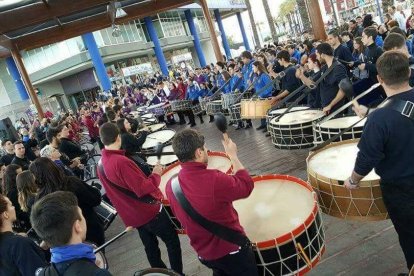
x,y
262,86
248,77
212,193
193,93
236,82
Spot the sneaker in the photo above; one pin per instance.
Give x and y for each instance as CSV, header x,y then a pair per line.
x,y
183,123
201,121
264,130
267,135
260,127
211,121
192,125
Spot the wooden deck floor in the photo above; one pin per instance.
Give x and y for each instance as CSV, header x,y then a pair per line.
x,y
352,248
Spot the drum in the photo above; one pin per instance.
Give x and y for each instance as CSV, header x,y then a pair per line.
x,y
165,160
216,160
163,136
142,109
294,130
157,109
279,111
328,168
196,109
155,127
156,272
101,261
214,107
254,109
328,129
96,182
147,118
281,217
203,103
230,99
234,112
106,214
167,109
180,105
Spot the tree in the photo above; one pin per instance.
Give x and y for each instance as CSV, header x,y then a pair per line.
x,y
304,15
286,8
253,24
270,20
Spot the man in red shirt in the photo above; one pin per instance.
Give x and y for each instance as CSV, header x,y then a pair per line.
x,y
150,219
211,193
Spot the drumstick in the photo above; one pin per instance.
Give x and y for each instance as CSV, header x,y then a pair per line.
x,y
302,253
128,229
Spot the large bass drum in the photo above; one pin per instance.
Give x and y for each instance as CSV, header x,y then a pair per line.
x,y
328,168
328,129
281,217
294,130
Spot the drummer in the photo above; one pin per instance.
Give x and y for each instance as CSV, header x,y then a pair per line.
x,y
193,94
331,96
387,145
263,82
247,72
212,193
236,82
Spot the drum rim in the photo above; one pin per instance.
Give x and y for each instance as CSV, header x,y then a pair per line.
x,y
303,226
320,126
166,143
157,270
277,124
364,184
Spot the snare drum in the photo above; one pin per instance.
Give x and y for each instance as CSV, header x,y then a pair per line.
x,y
156,272
157,109
234,112
155,127
230,99
163,136
214,107
216,160
203,103
180,105
196,109
254,109
332,127
328,168
165,160
106,214
294,130
100,257
282,219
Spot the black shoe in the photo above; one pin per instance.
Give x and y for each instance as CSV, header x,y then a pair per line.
x,y
264,130
192,125
211,121
183,123
260,127
247,126
267,135
189,123
201,121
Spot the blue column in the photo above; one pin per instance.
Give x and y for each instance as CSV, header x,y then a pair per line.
x,y
193,31
96,58
243,32
223,34
157,47
15,74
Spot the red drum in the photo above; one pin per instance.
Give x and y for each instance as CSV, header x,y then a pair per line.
x,y
216,160
281,217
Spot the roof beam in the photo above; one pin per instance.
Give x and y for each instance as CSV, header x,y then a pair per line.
x,y
42,11
98,22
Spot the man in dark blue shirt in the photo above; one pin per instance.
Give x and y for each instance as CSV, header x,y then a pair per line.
x,y
341,52
374,52
387,145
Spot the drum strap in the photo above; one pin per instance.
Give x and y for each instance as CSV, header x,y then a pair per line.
x,y
403,107
214,228
144,199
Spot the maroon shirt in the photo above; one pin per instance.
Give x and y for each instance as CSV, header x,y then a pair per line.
x,y
211,194
124,172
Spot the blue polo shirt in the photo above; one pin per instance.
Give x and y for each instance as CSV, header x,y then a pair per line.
x,y
262,80
247,71
236,83
296,54
193,92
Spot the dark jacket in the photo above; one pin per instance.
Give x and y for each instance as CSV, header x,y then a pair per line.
x,y
78,267
22,162
19,255
70,148
132,144
373,53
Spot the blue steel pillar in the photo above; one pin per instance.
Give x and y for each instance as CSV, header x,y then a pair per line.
x,y
243,32
197,44
14,72
96,58
157,47
223,34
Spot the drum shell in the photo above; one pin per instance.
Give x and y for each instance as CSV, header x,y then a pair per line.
x,y
323,133
180,105
229,99
364,203
280,254
214,107
156,271
254,109
297,136
196,109
234,112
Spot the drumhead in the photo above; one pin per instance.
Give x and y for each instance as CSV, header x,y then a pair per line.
x,y
274,208
281,110
162,136
101,260
299,117
337,162
155,106
165,159
155,127
343,122
147,116
216,160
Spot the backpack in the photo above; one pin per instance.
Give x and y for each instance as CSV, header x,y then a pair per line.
x,y
77,267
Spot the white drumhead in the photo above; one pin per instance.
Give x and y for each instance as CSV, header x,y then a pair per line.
x,y
101,261
147,116
274,208
216,102
343,122
155,105
165,159
220,163
154,128
338,162
161,136
299,117
281,110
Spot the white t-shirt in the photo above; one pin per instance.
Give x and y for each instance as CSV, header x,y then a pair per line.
x,y
401,20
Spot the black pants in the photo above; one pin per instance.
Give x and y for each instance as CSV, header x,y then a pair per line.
x,y
398,198
242,263
161,226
